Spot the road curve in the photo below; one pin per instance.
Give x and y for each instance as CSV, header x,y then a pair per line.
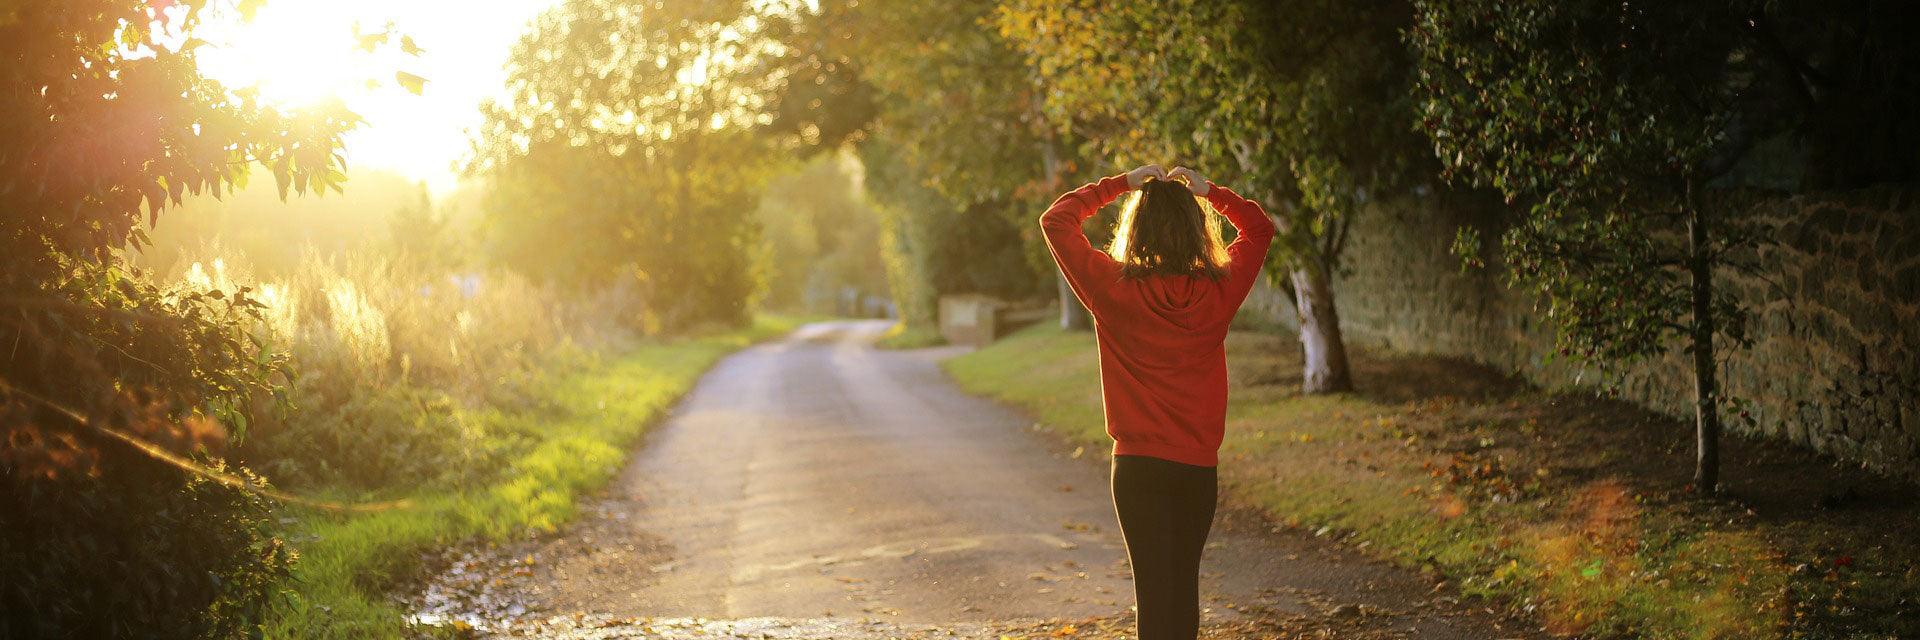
x,y
817,477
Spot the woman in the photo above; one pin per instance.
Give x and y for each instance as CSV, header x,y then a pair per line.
x,y
1161,297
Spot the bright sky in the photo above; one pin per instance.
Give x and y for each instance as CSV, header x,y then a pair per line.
x,y
304,50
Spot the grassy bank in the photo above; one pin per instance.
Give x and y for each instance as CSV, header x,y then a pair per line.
x,y
904,336
1568,508
574,436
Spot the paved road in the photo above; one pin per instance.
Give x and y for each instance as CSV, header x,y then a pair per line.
x,y
817,477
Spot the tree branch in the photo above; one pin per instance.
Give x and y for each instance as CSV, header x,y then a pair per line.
x,y
176,460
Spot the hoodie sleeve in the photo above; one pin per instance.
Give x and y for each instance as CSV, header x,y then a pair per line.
x,y
1088,270
1248,253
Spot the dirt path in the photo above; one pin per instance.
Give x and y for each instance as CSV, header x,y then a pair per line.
x,y
818,487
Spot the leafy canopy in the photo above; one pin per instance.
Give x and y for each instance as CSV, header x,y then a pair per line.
x,y
627,153
107,121
1301,102
1608,120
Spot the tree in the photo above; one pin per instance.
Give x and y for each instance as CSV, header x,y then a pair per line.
x,y
982,149
627,154
1303,102
908,230
934,246
117,395
935,86
819,238
421,237
1626,126
967,110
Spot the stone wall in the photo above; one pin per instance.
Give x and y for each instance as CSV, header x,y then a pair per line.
x,y
1835,363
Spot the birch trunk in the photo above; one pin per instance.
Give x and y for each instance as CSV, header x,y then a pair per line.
x,y
1325,368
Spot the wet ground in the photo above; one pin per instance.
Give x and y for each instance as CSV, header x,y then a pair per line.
x,y
817,487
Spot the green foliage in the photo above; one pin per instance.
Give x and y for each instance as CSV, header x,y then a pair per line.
x,y
1624,127
905,235
424,238
461,390
389,349
1621,125
905,336
372,439
818,238
955,152
1609,120
934,246
1573,100
1579,542
633,165
107,122
960,105
568,439
276,236
96,538
137,551
816,96
1299,103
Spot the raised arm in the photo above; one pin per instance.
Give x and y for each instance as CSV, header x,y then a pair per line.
x,y
1248,253
1082,264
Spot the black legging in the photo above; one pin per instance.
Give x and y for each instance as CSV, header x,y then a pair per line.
x,y
1165,509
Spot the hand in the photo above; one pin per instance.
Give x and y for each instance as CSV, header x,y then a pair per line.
x,y
1197,184
1139,176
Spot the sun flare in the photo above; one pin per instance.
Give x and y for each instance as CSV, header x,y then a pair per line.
x,y
302,52
294,52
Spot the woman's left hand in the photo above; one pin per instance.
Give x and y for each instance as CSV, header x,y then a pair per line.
x,y
1195,182
1139,176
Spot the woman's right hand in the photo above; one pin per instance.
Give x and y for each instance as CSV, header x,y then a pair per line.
x,y
1139,176
1195,183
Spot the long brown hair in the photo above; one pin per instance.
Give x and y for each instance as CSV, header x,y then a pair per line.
x,y
1163,230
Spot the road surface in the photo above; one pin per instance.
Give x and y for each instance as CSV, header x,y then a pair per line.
x,y
817,479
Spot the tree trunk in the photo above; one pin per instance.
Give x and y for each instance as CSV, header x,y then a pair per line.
x,y
1706,387
1325,369
1073,315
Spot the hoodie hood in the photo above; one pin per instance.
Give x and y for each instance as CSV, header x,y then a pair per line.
x,y
1185,302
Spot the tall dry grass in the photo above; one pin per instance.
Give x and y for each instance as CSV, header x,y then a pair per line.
x,y
387,351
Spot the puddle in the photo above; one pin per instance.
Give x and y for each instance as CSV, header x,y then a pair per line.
x,y
478,591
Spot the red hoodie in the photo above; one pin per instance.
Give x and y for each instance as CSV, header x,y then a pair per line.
x,y
1163,357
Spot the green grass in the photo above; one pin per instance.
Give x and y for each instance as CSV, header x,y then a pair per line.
x,y
1552,505
903,336
578,439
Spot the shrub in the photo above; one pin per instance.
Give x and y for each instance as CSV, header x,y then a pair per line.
x,y
138,552
388,350
98,537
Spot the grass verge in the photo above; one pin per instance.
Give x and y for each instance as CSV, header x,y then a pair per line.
x,y
903,336
1568,508
574,442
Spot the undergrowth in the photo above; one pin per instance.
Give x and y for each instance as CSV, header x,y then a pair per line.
x,y
1565,508
570,439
